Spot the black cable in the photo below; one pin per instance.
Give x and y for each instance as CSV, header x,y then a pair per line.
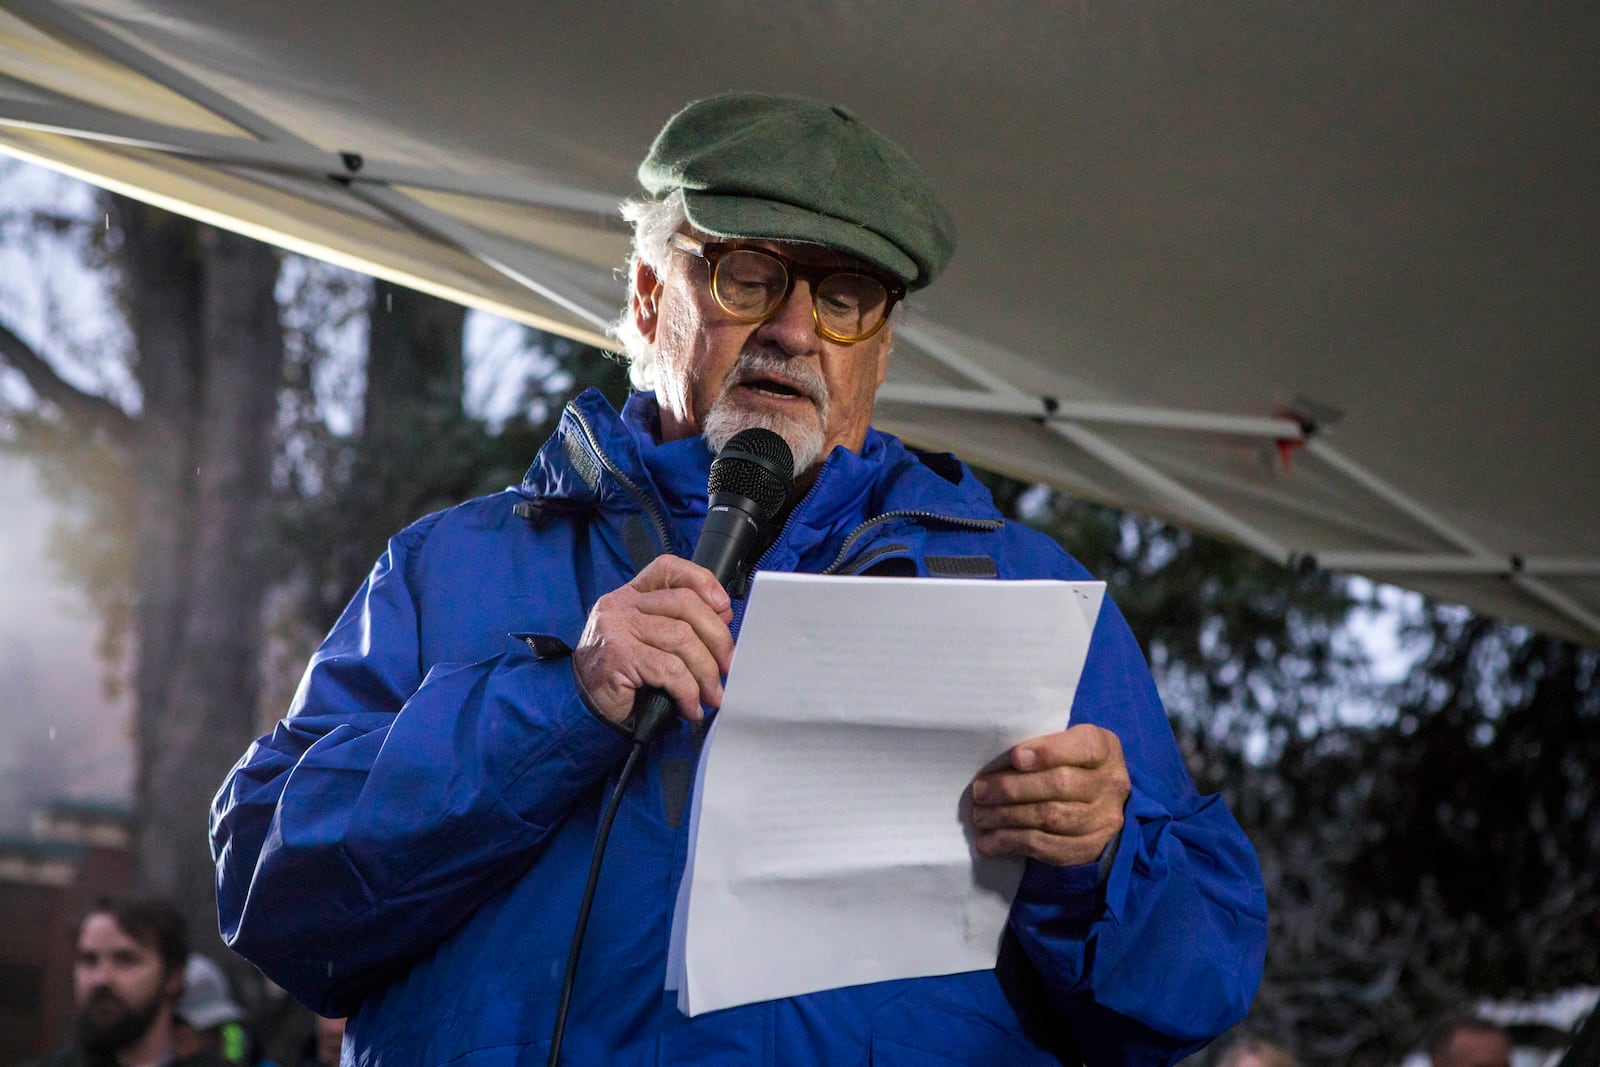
x,y
606,819
748,488
1585,1048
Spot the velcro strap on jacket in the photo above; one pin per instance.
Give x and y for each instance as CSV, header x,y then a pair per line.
x,y
962,566
586,465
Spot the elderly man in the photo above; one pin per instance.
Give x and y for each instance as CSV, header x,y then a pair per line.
x,y
127,976
409,847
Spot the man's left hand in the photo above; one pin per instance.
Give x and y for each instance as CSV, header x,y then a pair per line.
x,y
1060,802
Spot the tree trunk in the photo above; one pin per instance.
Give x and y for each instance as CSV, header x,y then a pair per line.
x,y
159,257
416,443
210,346
417,447
414,361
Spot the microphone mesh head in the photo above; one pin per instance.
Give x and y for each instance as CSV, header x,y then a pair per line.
x,y
758,465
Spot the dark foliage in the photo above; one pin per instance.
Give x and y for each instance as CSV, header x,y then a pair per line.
x,y
416,449
1488,782
1425,844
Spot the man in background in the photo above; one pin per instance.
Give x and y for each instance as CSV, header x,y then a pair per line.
x,y
208,1018
126,980
1251,1051
1470,1041
322,1047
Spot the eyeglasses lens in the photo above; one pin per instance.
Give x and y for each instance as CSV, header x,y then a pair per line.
x,y
850,305
749,284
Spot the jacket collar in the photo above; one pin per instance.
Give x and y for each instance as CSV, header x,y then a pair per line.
x,y
597,454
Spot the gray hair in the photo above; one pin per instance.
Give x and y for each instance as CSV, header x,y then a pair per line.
x,y
654,222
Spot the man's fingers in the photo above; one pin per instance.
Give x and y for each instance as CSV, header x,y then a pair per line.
x,y
687,621
1060,803
675,572
667,672
1076,746
1081,763
1055,783
683,643
667,628
1040,845
613,685
1060,833
1056,817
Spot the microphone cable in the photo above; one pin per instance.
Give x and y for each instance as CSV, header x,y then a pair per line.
x,y
570,976
750,482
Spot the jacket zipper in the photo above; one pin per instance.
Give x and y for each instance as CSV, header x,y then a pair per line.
x,y
856,535
663,536
644,499
739,604
921,516
871,556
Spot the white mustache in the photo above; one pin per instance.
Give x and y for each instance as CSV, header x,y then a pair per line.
x,y
756,363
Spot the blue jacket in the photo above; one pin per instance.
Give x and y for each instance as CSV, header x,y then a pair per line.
x,y
409,846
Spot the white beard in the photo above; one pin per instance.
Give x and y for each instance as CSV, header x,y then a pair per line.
x,y
803,434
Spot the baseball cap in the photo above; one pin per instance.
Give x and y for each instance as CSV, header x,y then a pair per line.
x,y
206,1000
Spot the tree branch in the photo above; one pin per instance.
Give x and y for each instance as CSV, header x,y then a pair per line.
x,y
95,411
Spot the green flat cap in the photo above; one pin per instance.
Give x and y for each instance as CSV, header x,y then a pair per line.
x,y
789,168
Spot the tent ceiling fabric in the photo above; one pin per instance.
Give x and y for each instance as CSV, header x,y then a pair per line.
x,y
1179,225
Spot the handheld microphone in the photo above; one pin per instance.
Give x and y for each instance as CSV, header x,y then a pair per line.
x,y
749,485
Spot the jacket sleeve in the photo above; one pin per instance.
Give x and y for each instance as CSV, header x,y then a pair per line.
x,y
1149,959
393,801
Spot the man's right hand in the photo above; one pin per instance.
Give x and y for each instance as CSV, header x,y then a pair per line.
x,y
667,628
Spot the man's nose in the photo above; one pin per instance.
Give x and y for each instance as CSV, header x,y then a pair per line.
x,y
794,327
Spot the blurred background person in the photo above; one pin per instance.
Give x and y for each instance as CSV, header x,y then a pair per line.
x,y
1247,1050
1469,1041
127,976
207,1018
322,1047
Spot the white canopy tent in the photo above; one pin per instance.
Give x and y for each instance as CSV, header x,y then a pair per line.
x,y
1317,278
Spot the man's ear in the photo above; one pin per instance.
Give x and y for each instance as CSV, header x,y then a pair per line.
x,y
173,986
645,301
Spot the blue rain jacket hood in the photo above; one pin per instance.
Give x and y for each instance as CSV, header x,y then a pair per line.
x,y
410,844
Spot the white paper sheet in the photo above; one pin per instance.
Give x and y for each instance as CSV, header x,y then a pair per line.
x,y
827,846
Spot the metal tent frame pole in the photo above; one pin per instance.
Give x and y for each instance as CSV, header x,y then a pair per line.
x,y
276,149
1071,420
